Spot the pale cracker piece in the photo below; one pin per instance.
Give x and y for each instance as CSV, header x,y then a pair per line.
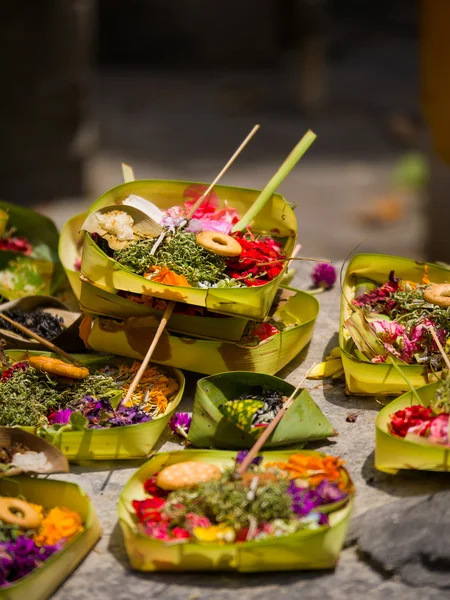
x,y
187,474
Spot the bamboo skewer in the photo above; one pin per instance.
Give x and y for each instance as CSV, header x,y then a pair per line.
x,y
439,345
222,172
276,180
269,429
144,364
41,340
128,175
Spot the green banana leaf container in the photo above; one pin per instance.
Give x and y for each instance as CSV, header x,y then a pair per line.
x,y
302,422
96,301
393,453
249,302
362,377
45,580
39,271
130,441
304,550
209,357
70,250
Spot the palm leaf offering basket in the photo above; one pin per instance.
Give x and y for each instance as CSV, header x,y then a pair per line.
x,y
131,338
393,453
29,263
127,442
302,422
276,218
314,549
45,580
69,250
365,271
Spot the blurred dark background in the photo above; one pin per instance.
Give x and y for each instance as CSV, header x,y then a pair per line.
x,y
172,87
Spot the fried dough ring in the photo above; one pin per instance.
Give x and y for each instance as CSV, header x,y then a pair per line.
x,y
29,519
58,367
219,243
438,293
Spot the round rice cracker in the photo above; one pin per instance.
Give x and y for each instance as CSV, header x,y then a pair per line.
x,y
186,475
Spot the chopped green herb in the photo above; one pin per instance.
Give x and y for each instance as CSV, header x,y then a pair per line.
x,y
180,253
28,396
229,501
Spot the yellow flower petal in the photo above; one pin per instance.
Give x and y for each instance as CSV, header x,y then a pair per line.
x,y
335,353
326,369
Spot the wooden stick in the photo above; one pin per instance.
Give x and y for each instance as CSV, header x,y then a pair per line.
x,y
150,351
439,345
222,172
269,429
128,175
41,340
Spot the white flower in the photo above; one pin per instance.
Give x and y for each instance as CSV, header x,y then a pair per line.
x,y
118,223
31,461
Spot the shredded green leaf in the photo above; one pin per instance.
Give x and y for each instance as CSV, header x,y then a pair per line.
x,y
228,501
29,396
180,253
410,308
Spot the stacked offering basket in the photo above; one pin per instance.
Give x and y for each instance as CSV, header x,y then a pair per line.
x,y
125,328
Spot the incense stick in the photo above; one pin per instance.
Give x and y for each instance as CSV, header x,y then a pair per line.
x,y
439,345
41,340
269,429
142,368
276,181
289,258
222,172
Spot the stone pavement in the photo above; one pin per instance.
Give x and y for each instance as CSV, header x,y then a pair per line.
x,y
104,573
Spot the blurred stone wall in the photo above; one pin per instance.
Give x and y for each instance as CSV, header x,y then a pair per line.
x,y
46,48
199,33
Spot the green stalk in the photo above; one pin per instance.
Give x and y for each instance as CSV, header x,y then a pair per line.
x,y
276,180
411,387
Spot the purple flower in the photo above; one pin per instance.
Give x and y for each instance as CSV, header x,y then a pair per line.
x,y
306,500
323,519
20,557
180,423
101,414
329,492
241,455
323,275
60,417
